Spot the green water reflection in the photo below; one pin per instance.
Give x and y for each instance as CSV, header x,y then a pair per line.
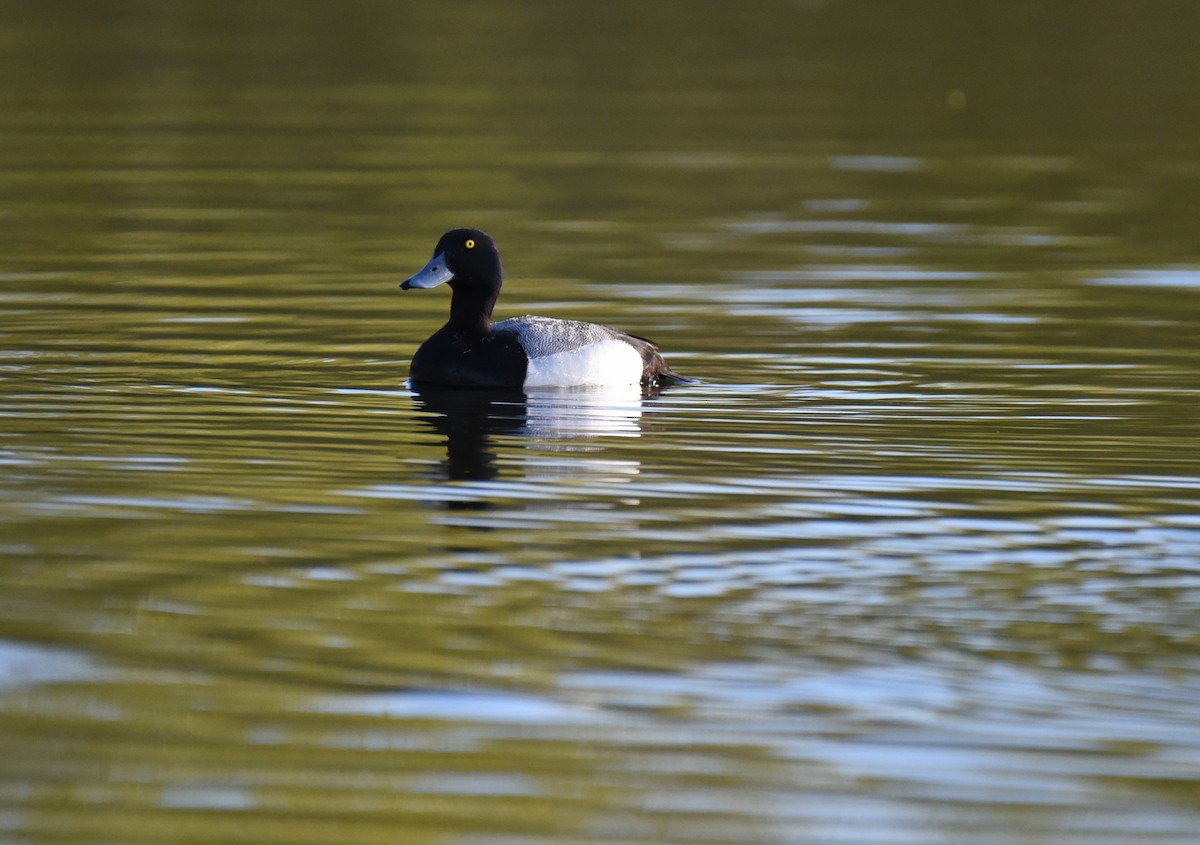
x,y
915,561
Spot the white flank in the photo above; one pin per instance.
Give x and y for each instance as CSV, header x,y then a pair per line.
x,y
567,353
608,362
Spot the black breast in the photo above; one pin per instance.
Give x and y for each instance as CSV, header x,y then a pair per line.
x,y
454,359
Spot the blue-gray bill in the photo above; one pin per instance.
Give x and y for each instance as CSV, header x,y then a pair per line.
x,y
431,275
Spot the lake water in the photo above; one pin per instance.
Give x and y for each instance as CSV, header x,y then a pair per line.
x,y
916,560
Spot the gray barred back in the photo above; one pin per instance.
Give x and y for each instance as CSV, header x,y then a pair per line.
x,y
542,336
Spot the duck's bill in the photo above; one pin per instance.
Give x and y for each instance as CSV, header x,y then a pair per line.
x,y
431,275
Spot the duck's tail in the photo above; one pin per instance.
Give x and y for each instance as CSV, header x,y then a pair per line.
x,y
667,377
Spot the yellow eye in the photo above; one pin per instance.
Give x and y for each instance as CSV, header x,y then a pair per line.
x,y
470,244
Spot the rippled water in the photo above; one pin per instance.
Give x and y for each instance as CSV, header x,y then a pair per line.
x,y
916,560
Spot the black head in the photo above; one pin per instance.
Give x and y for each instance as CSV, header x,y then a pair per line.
x,y
463,257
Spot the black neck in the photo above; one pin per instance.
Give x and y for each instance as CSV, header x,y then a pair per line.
x,y
471,308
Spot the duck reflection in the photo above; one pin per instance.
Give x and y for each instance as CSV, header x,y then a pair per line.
x,y
470,419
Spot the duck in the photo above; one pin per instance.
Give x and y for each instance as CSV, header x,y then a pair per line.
x,y
520,352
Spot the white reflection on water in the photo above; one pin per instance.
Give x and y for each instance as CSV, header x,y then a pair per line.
x,y
474,783
974,727
1168,277
207,796
859,272
908,232
877,163
22,664
609,411
563,421
477,705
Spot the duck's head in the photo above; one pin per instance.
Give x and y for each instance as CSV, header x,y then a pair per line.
x,y
461,257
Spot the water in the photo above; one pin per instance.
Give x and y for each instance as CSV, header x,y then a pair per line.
x,y
917,560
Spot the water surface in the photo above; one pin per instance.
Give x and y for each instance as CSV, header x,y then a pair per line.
x,y
916,560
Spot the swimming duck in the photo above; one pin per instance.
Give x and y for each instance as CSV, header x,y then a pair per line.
x,y
472,351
